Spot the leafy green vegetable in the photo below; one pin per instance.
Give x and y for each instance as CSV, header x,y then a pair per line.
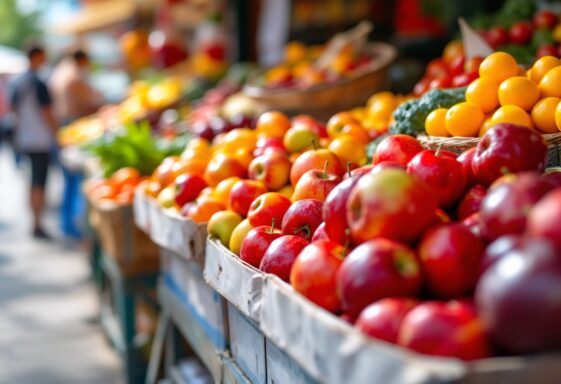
x,y
511,12
409,117
135,146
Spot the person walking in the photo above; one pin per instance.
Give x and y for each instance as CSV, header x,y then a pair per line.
x,y
35,130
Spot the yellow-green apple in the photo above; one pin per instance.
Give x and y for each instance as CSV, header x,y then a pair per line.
x,y
391,204
222,224
166,197
450,329
382,319
397,148
303,218
280,255
272,169
312,124
315,159
315,184
242,195
256,243
221,167
299,137
268,207
313,273
188,187
375,270
238,235
450,259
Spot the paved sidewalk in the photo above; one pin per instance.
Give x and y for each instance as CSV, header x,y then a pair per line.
x,y
48,306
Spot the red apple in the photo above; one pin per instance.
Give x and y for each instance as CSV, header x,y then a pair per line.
x,y
397,148
521,32
471,202
188,187
508,148
335,210
450,258
268,207
280,255
545,19
441,217
269,145
383,318
272,169
256,243
359,171
315,184
315,159
375,270
451,329
518,299
314,270
311,123
381,203
545,218
242,195
499,248
320,233
473,223
302,218
444,175
553,175
497,36
466,159
505,209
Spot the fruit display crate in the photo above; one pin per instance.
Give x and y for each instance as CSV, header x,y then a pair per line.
x,y
317,346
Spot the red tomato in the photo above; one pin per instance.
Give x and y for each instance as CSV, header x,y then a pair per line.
x,y
421,87
464,79
436,67
472,65
521,32
545,19
441,82
497,36
547,50
456,66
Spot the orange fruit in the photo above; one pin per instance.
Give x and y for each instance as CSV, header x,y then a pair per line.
x,y
152,188
435,123
124,176
452,50
487,124
272,124
558,117
499,66
542,66
221,167
294,52
464,119
512,114
195,166
337,121
519,91
105,191
382,108
203,209
244,156
543,114
348,149
550,84
483,92
243,138
222,190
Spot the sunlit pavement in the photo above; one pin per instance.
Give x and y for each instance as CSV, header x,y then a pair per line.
x,y
48,305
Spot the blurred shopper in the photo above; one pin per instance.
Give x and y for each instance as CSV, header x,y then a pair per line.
x,y
73,98
35,129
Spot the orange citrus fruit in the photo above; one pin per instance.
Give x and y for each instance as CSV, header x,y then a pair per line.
x,y
464,119
512,114
543,114
499,66
542,66
550,84
519,91
435,123
483,92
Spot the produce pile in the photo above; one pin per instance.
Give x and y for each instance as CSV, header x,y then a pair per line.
x,y
118,188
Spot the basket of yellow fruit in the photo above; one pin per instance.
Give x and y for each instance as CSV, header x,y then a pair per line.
x,y
503,93
319,80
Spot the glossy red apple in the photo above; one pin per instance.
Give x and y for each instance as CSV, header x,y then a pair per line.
x,y
272,169
303,218
320,233
188,187
444,175
466,159
242,195
267,145
381,203
315,184
499,248
382,319
315,159
518,299
473,223
359,171
397,148
268,207
545,19
497,36
280,255
544,220
471,202
520,32
450,329
450,259
256,243
508,148
505,209
335,210
314,270
375,270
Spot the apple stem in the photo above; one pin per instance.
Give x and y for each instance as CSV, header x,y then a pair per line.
x,y
349,168
315,144
304,228
325,169
272,225
347,242
505,170
437,153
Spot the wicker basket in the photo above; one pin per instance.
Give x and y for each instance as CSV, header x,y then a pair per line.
x,y
323,100
461,144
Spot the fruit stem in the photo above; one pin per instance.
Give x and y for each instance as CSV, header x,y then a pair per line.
x,y
304,228
437,153
347,241
315,144
349,168
325,169
272,225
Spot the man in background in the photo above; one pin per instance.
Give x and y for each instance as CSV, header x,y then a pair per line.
x,y
35,130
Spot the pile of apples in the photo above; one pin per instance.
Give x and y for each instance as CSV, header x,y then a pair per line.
x,y
119,188
447,255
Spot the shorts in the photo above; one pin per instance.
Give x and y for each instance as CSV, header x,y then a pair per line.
x,y
39,167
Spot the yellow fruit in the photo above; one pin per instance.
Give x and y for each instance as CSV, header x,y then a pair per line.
x,y
499,66
519,91
222,190
464,119
348,149
287,191
240,138
550,84
435,123
542,66
294,52
487,123
386,96
483,92
238,235
557,33
382,109
543,114
222,224
512,114
558,116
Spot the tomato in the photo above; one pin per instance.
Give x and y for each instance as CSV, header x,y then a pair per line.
x,y
545,19
497,36
436,67
464,79
452,50
472,65
547,50
456,66
421,87
441,82
521,32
